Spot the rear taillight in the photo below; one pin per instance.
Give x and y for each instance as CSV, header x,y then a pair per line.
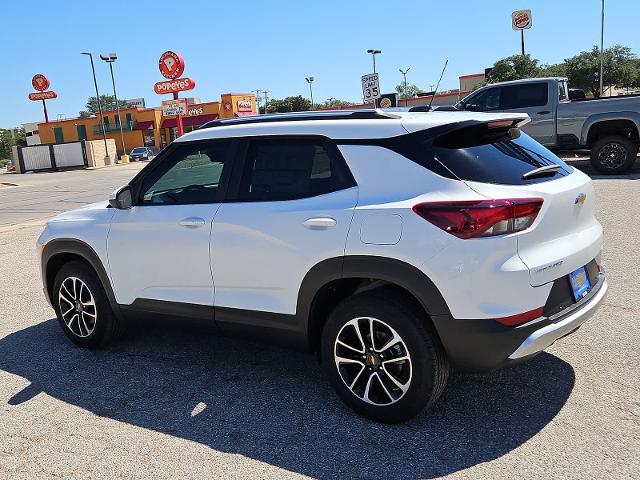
x,y
481,218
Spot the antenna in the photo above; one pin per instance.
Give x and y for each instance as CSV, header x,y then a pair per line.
x,y
438,84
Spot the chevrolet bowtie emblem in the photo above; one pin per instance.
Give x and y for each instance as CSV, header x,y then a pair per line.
x,y
580,199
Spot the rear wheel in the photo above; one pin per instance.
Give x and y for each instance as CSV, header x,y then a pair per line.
x,y
82,307
613,154
383,358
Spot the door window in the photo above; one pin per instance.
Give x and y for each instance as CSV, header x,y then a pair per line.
x,y
524,96
192,175
486,100
286,169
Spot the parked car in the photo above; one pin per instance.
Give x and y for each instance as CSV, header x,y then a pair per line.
x,y
141,153
10,166
607,126
393,245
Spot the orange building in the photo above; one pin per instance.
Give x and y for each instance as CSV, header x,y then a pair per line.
x,y
146,126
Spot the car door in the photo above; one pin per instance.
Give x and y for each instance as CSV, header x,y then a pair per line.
x,y
158,250
291,207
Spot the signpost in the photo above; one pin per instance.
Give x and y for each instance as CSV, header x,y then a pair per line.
x,y
174,107
41,83
521,20
171,65
370,87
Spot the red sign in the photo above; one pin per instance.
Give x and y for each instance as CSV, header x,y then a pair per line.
x,y
173,86
40,82
171,64
42,95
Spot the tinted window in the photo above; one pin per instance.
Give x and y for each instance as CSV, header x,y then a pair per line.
x,y
285,169
139,150
462,154
190,174
486,100
524,95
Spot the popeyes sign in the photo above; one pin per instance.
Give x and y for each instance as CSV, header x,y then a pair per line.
x,y
171,65
521,20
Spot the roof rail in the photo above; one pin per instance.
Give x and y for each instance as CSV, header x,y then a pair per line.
x,y
362,114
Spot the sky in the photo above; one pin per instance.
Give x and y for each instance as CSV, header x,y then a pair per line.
x,y
240,46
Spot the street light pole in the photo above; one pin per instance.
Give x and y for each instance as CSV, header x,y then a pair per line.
x,y
110,58
310,81
404,87
95,83
373,53
602,51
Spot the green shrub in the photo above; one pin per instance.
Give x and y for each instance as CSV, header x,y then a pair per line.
x,y
3,162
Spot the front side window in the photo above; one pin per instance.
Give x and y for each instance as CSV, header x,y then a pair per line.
x,y
286,169
192,175
485,101
524,96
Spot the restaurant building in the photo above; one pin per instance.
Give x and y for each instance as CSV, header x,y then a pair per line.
x,y
146,126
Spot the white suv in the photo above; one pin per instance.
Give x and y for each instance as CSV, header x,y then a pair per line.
x,y
393,244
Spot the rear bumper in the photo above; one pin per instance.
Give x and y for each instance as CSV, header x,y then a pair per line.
x,y
562,324
485,344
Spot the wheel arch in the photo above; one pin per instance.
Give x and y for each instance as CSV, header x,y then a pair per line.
x,y
621,124
58,252
332,280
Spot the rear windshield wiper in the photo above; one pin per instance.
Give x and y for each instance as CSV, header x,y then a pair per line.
x,y
547,169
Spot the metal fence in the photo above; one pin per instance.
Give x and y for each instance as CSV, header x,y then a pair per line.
x,y
52,157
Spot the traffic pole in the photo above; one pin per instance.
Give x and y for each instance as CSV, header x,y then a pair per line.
x,y
178,118
46,115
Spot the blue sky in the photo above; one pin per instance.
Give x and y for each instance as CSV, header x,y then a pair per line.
x,y
239,46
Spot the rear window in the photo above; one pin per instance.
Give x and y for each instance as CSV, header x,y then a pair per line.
x,y
479,155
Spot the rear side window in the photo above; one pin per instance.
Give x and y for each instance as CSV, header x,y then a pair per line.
x,y
524,96
470,153
286,169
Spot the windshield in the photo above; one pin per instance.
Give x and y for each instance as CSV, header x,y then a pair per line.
x,y
138,150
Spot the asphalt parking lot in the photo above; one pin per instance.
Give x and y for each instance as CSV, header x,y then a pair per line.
x,y
174,402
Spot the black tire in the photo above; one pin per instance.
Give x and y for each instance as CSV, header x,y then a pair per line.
x,y
613,154
429,366
105,325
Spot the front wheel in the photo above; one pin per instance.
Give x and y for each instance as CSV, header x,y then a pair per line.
x,y
383,358
82,307
613,154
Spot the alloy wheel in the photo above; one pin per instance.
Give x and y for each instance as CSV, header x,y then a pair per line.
x,y
373,361
612,155
77,307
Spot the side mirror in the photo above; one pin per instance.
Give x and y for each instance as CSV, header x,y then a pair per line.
x,y
122,198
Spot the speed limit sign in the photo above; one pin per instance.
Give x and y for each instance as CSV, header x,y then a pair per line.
x,y
370,87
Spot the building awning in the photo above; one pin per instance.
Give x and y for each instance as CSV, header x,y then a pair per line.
x,y
144,125
245,114
198,119
169,123
189,121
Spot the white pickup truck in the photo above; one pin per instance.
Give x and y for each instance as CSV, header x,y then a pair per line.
x,y
608,126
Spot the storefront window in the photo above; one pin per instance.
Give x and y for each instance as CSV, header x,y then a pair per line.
x,y
149,138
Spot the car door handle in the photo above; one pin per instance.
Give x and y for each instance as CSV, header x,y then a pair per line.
x,y
544,112
192,222
320,223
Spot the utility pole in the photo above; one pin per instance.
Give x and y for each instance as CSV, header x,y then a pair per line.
x,y
373,53
602,51
266,99
404,86
95,83
257,98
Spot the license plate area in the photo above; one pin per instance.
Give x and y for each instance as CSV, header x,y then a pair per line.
x,y
580,283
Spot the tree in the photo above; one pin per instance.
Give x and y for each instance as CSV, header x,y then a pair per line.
x,y
108,102
619,69
514,67
554,70
6,142
333,103
288,104
410,91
